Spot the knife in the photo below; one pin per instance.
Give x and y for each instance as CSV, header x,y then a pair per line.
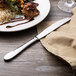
x,y
48,30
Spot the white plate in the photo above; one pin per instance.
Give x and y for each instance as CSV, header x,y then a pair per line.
x,y
44,8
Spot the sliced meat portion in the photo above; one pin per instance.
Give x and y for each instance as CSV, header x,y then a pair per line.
x,y
30,10
2,4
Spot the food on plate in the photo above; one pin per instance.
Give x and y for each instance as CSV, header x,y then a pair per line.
x,y
9,9
2,4
5,13
29,10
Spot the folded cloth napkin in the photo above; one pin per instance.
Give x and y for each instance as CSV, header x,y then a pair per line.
x,y
61,42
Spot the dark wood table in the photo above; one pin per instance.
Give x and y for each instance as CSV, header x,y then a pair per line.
x,y
36,60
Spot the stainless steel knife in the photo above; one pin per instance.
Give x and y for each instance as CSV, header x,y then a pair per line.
x,y
48,30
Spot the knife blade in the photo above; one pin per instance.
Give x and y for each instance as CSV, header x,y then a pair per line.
x,y
53,27
48,30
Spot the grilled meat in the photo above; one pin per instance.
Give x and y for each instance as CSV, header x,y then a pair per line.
x,y
30,10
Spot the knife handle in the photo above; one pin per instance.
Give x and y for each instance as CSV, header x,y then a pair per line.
x,y
14,53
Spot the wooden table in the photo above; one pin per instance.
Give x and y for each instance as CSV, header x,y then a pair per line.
x,y
34,61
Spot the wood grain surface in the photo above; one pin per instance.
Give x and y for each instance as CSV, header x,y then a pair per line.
x,y
34,61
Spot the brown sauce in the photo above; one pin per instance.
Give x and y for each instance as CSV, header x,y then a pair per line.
x,y
18,24
13,20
